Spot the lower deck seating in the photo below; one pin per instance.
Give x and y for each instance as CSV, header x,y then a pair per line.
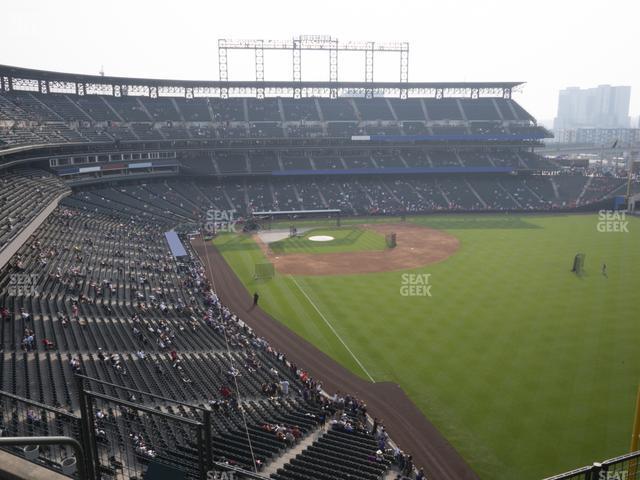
x,y
187,200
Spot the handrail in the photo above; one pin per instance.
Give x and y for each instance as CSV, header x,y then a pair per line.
x,y
153,395
595,470
233,468
143,408
36,404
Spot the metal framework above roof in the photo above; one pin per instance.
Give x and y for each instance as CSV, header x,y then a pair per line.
x,y
315,43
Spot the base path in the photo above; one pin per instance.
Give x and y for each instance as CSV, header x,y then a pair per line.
x,y
406,425
416,247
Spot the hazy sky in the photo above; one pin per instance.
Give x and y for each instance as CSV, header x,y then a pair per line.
x,y
550,44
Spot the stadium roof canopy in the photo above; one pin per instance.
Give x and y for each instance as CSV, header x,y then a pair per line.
x,y
17,78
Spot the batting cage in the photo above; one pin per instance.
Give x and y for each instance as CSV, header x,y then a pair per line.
x,y
390,239
578,264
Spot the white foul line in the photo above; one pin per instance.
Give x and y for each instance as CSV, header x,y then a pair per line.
x,y
332,329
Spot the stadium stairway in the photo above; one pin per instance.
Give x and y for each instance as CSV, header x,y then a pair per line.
x,y
301,446
337,455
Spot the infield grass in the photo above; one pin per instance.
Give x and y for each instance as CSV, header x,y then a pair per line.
x,y
346,239
527,369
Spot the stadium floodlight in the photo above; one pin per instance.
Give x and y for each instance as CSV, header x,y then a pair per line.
x,y
630,172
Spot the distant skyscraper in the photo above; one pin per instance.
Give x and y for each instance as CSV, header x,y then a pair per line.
x,y
601,107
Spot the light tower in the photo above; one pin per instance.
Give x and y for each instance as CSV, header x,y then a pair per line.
x,y
303,43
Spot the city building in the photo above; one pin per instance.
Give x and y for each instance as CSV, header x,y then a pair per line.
x,y
605,106
598,136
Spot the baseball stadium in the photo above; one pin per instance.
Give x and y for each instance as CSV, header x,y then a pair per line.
x,y
298,280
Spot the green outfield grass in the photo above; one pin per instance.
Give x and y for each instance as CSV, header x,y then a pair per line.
x,y
527,369
346,239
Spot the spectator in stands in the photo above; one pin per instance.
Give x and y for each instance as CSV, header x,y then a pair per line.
x,y
284,387
379,456
140,446
28,340
408,465
32,418
374,427
75,365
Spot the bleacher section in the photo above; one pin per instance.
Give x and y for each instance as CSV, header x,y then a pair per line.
x,y
183,200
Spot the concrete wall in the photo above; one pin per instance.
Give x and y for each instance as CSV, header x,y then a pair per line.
x,y
13,467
